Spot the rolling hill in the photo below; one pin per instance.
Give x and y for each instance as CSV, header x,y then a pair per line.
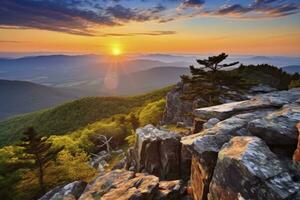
x,y
151,79
22,96
74,115
292,69
80,72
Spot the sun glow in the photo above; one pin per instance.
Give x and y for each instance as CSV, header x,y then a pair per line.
x,y
116,51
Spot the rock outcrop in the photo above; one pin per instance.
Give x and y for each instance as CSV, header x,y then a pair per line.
x,y
157,152
71,191
272,118
239,150
181,110
296,156
127,185
247,169
178,110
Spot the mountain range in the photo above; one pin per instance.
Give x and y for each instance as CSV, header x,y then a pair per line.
x,y
49,80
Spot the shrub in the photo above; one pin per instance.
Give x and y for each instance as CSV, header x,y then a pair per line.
x,y
152,113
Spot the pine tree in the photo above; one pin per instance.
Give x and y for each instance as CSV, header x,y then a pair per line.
x,y
39,150
212,66
207,80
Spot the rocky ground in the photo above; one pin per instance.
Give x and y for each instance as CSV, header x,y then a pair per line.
x,y
240,150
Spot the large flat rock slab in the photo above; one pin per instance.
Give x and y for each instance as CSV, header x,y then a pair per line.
x,y
269,100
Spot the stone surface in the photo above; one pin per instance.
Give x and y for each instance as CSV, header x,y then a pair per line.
x,y
261,88
169,190
296,156
247,169
71,191
140,187
157,152
104,183
279,111
178,110
210,123
269,100
278,127
127,185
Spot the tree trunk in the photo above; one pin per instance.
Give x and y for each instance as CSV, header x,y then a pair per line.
x,y
41,175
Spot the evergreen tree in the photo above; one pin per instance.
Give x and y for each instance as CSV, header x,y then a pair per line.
x,y
212,66
206,81
39,150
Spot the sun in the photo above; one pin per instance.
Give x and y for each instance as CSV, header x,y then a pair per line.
x,y
116,51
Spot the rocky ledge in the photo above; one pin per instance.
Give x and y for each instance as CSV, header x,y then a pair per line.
x,y
242,150
121,185
248,153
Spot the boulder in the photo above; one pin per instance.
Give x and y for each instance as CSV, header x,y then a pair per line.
x,y
71,191
169,190
104,183
296,156
140,187
157,152
206,145
126,185
278,127
247,169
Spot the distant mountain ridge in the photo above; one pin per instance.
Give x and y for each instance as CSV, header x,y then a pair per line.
x,y
23,96
20,97
292,69
79,72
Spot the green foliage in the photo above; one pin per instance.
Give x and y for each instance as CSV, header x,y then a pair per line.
x,y
131,139
71,164
74,115
208,80
10,170
266,74
213,63
37,149
152,113
294,84
67,168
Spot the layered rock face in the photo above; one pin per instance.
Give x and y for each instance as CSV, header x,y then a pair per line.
x,y
179,110
247,169
297,152
71,191
157,152
241,151
176,109
242,155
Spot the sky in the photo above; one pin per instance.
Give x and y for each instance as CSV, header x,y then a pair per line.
x,y
252,27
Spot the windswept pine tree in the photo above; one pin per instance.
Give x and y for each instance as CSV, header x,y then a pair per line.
x,y
39,150
209,79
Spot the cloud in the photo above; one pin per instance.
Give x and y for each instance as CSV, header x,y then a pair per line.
x,y
258,9
78,17
191,4
10,41
89,17
151,33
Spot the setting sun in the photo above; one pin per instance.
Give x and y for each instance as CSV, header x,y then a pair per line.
x,y
116,51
